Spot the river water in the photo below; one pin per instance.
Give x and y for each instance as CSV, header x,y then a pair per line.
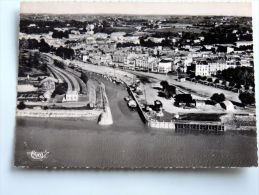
x,y
127,143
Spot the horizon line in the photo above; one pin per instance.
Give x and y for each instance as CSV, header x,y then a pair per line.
x,y
122,14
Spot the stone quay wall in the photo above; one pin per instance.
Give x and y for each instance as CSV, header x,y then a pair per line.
x,y
161,124
55,113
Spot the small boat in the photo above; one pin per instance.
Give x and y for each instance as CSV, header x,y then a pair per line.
x,y
132,104
127,98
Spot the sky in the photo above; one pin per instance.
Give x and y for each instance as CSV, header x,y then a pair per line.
x,y
140,8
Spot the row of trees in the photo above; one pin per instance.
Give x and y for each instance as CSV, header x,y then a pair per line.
x,y
59,64
65,53
246,83
128,44
148,43
246,98
46,26
42,46
239,75
60,34
35,44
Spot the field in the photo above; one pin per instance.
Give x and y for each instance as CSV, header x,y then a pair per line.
x,y
176,30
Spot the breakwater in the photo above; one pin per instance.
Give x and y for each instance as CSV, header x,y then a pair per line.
x,y
106,115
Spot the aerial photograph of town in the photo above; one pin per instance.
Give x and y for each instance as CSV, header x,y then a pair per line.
x,y
135,91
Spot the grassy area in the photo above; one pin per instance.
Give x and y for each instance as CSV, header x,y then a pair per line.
x,y
176,30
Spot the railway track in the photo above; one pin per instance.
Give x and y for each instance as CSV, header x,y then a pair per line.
x,y
63,77
83,87
56,75
71,78
73,81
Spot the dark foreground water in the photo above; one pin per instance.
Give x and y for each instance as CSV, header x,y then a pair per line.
x,y
127,143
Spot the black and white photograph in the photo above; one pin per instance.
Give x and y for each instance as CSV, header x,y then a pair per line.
x,y
135,86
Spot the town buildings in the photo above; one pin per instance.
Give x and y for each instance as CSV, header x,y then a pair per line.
x,y
209,67
161,53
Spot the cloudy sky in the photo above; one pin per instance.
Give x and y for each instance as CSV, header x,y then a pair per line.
x,y
162,8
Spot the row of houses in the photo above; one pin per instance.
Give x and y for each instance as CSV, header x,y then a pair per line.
x,y
205,65
132,61
210,66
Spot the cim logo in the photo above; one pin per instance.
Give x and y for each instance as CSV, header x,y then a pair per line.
x,y
38,155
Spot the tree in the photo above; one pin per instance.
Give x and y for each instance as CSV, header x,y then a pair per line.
x,y
59,64
28,44
186,98
65,53
84,77
223,82
43,46
60,34
191,75
33,44
166,42
209,79
60,89
198,77
247,98
127,44
238,86
231,84
247,87
204,78
170,91
21,106
164,84
218,98
147,43
216,81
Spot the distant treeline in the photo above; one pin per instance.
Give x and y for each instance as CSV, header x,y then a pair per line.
x,y
224,34
45,26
